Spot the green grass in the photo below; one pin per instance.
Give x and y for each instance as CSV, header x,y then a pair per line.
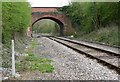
x,y
31,62
42,67
107,35
33,43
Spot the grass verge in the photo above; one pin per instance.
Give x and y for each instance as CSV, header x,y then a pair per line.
x,y
31,62
107,35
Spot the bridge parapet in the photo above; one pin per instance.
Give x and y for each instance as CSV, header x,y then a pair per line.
x,y
47,13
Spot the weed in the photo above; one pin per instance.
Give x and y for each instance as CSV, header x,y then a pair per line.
x,y
31,62
108,35
33,43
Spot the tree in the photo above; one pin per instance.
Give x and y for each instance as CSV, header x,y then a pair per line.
x,y
15,19
89,16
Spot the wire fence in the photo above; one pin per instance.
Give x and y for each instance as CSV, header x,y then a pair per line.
x,y
6,56
6,61
0,59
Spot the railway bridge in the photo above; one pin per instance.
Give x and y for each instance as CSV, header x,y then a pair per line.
x,y
52,13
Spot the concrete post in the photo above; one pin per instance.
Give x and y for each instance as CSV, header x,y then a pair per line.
x,y
13,59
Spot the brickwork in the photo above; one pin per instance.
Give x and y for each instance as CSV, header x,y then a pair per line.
x,y
39,13
47,9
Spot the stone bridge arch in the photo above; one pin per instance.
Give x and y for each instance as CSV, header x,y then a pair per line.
x,y
52,13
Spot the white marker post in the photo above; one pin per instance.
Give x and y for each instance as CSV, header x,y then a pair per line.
x,y
13,59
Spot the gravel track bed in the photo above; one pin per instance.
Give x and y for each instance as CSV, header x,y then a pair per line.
x,y
68,64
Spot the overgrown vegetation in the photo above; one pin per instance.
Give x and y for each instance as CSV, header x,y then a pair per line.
x,y
0,24
15,19
108,35
88,17
31,62
33,43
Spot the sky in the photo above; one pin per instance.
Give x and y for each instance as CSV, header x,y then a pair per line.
x,y
48,3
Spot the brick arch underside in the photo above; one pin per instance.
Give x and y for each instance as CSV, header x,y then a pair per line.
x,y
61,25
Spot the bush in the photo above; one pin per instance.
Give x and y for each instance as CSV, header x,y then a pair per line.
x,y
15,19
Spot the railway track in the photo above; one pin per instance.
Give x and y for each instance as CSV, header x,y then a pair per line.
x,y
107,58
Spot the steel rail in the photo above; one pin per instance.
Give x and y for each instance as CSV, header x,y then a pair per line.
x,y
111,66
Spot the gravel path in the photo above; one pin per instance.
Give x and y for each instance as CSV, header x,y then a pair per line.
x,y
68,64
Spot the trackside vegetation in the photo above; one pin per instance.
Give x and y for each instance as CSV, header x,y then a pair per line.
x,y
15,19
31,63
90,17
